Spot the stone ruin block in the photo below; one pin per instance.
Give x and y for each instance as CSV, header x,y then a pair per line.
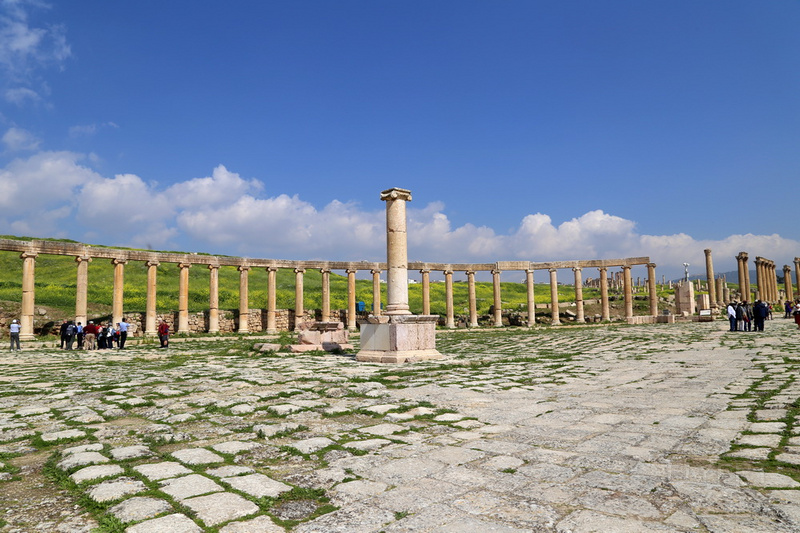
x,y
323,336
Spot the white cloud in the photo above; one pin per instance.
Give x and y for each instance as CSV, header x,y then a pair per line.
x,y
19,95
89,129
18,139
221,188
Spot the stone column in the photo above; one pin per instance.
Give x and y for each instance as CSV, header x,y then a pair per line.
x,y
351,299
299,310
376,292
721,291
448,296
119,281
626,286
531,299
653,291
183,297
396,251
797,273
213,299
578,295
81,288
787,282
554,297
272,299
498,301
761,280
604,309
473,301
150,328
712,293
326,294
426,291
741,265
28,295
244,299
774,278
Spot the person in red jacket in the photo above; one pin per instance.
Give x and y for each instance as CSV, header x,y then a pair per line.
x,y
163,334
90,335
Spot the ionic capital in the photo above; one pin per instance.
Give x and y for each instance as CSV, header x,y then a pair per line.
x,y
151,264
82,258
184,265
325,270
396,194
116,262
375,271
272,269
27,255
299,270
786,268
351,271
577,269
213,267
742,256
243,268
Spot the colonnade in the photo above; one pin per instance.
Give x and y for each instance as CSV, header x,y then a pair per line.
x,y
29,250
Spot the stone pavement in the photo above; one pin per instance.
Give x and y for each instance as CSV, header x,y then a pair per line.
x,y
681,427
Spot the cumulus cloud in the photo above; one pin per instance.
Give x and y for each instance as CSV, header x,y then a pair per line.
x,y
89,129
18,139
54,194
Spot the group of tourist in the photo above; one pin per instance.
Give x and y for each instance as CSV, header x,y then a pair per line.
x,y
103,336
744,317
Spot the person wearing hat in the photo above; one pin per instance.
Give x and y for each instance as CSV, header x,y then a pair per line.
x,y
15,335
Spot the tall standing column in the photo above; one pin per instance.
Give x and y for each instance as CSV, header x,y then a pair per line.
x,y
272,299
426,291
604,309
578,295
787,282
244,299
653,291
741,265
774,281
376,292
555,320
299,309
183,297
119,281
712,292
351,299
797,273
81,288
28,295
448,296
721,292
531,298
626,285
761,281
498,301
213,298
326,294
396,251
473,300
150,328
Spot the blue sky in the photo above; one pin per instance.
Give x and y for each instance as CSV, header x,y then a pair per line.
x,y
526,130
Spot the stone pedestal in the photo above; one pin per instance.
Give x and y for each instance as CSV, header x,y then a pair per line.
x,y
398,339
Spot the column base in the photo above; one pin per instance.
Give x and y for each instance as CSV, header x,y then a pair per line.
x,y
399,339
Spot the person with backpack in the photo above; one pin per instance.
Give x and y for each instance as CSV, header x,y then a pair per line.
x,y
163,334
70,332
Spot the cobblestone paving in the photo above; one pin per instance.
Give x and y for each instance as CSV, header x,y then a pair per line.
x,y
632,429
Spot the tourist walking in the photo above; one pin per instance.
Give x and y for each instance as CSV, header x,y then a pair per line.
x,y
163,334
14,327
748,316
787,306
739,317
732,315
63,332
70,333
760,312
123,333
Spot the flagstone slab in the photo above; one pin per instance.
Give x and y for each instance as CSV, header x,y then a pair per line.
x,y
96,447
230,471
235,446
139,508
383,429
312,445
218,508
130,452
163,470
367,445
95,472
260,524
82,459
115,489
189,486
257,485
197,456
174,523
766,479
67,434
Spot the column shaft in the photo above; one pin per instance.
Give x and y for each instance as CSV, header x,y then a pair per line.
x,y
150,328
712,292
531,299
119,281
498,301
299,309
604,308
213,299
326,294
448,295
473,300
626,284
426,292
376,292
555,320
272,299
183,297
351,300
244,299
396,251
652,289
28,295
578,295
81,289
787,282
